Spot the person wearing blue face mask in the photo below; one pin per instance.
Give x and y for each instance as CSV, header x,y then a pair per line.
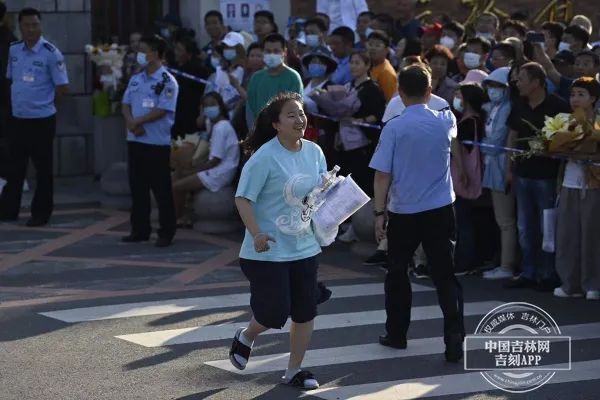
x,y
319,65
315,31
276,78
494,173
223,158
148,106
229,61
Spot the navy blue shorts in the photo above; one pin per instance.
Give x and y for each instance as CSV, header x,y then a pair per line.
x,y
282,289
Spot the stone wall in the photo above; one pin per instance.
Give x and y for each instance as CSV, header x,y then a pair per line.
x,y
67,24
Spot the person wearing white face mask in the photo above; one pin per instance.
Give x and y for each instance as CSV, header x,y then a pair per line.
x,y
223,158
452,35
575,38
476,53
148,107
315,31
276,78
487,26
229,61
363,28
494,173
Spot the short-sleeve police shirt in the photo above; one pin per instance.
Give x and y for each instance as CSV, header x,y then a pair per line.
x,y
35,73
146,92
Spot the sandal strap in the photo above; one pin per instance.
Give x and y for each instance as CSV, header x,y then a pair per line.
x,y
300,377
240,349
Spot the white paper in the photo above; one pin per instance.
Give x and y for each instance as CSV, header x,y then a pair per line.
x,y
343,200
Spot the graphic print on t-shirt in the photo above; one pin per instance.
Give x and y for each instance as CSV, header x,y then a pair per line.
x,y
294,223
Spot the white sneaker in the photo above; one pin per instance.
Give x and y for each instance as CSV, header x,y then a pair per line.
x,y
349,236
497,273
592,295
559,292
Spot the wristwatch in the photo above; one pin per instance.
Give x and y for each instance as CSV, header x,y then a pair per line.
x,y
378,213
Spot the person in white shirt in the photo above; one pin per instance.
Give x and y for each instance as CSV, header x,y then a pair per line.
x,y
394,108
342,12
223,158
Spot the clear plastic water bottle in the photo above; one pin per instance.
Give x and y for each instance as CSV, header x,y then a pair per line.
x,y
315,198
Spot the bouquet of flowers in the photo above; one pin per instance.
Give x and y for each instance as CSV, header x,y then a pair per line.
x,y
571,135
110,60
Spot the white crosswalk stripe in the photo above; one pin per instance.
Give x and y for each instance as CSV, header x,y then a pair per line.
x,y
329,321
338,355
197,303
443,385
372,352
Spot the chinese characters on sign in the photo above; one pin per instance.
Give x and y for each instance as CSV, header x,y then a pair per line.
x,y
517,353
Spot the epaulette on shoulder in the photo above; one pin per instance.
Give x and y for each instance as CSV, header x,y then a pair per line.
x,y
16,42
49,46
166,77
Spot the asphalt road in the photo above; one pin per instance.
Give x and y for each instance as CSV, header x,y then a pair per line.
x,y
171,348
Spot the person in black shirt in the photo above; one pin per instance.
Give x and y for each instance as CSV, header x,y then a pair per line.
x,y
372,106
190,92
216,30
535,177
468,102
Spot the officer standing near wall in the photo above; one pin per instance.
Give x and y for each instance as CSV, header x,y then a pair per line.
x,y
38,75
149,109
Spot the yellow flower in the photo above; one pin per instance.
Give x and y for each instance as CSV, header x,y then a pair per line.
x,y
558,123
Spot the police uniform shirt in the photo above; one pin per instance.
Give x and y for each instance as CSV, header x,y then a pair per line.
x,y
35,73
146,92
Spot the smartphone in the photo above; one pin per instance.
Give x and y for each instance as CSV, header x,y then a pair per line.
x,y
535,37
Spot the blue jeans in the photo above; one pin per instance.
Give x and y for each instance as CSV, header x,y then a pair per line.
x,y
533,197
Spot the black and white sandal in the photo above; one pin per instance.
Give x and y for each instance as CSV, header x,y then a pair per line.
x,y
303,380
240,349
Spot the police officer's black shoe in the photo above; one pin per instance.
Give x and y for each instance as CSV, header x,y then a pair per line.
x,y
33,222
454,348
396,343
163,242
132,238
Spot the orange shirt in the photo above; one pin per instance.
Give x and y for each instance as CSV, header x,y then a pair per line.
x,y
385,75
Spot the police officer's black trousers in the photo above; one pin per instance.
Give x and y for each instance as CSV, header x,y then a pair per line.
x,y
150,170
30,139
435,229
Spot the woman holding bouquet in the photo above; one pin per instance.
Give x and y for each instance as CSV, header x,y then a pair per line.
x,y
279,251
578,231
357,153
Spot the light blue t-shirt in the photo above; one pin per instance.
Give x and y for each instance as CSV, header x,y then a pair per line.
x,y
276,181
35,73
415,148
142,95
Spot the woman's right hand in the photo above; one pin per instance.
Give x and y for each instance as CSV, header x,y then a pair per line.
x,y
261,242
